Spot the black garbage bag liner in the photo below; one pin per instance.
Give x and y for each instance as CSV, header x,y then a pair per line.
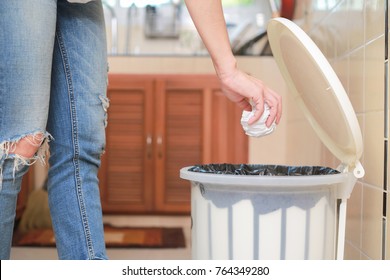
x,y
263,170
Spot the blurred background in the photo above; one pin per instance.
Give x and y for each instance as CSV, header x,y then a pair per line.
x,y
164,27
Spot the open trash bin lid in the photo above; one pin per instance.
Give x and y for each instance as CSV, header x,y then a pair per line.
x,y
318,92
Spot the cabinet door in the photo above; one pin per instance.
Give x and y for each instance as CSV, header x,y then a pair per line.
x,y
179,132
195,124
226,140
126,177
157,125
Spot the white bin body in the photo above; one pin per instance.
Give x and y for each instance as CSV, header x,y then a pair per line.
x,y
250,217
236,224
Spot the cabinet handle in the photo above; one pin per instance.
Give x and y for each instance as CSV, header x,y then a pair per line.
x,y
159,145
149,146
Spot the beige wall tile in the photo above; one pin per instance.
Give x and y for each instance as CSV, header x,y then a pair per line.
x,y
364,257
355,23
339,29
351,252
356,80
372,222
374,75
375,19
373,151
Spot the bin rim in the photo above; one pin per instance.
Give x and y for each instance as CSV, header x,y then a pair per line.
x,y
264,181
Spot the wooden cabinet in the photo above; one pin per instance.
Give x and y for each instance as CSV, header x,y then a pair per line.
x,y
158,124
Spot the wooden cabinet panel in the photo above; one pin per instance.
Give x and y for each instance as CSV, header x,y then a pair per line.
x,y
157,125
180,121
125,180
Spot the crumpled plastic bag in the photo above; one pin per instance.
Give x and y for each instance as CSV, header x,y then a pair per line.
x,y
263,170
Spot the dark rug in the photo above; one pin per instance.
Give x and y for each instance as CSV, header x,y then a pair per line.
x,y
116,237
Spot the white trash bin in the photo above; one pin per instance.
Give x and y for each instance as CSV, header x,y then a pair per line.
x,y
284,216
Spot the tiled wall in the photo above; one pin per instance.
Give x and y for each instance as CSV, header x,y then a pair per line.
x,y
351,33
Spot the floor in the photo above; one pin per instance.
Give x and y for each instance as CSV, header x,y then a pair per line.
x,y
28,253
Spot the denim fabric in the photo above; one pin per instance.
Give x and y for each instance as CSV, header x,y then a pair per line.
x,y
53,79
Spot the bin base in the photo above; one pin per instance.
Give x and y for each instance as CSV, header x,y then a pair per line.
x,y
262,225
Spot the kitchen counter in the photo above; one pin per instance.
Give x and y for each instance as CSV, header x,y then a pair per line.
x,y
181,65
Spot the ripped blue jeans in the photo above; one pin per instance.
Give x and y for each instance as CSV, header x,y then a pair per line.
x,y
53,79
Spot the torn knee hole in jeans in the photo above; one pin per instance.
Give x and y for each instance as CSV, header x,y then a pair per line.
x,y
105,103
16,149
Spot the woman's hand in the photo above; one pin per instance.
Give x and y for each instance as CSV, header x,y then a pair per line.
x,y
247,91
239,87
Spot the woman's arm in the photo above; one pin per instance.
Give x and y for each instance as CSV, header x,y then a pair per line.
x,y
239,87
